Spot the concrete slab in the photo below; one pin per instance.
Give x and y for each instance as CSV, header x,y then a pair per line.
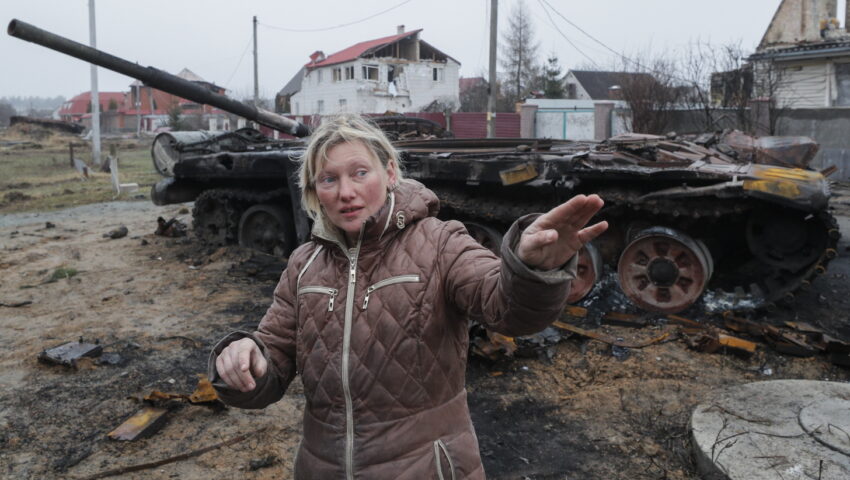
x,y
782,429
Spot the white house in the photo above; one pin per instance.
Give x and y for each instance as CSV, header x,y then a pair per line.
x,y
803,60
400,73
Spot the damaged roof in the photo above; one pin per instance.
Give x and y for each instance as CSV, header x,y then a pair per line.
x,y
359,49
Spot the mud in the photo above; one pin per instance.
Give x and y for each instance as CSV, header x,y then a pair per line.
x,y
161,303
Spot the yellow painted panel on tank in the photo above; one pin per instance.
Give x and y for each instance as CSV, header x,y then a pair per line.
x,y
518,174
775,187
783,182
786,174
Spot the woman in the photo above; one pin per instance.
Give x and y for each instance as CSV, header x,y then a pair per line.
x,y
373,313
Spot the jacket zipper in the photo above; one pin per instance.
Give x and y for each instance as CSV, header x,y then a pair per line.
x,y
328,291
346,347
413,278
438,446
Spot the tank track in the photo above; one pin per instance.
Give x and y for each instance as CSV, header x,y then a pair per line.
x,y
216,214
777,287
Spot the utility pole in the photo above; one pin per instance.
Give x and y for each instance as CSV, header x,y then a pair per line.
x,y
491,100
256,77
95,100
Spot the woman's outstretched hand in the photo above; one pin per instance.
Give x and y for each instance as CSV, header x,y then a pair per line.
x,y
240,363
559,233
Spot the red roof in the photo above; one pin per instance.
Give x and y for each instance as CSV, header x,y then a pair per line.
x,y
79,105
356,50
465,83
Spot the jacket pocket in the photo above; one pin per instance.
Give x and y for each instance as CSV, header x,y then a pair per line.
x,y
331,292
411,278
441,453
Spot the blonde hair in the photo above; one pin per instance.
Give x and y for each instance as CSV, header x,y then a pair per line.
x,y
336,130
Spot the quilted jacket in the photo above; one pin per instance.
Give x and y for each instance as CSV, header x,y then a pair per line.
x,y
379,335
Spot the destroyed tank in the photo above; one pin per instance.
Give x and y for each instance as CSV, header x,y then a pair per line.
x,y
690,226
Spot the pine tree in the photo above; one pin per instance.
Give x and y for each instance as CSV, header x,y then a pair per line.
x,y
553,82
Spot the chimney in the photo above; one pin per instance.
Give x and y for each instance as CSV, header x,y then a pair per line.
x,y
317,56
400,28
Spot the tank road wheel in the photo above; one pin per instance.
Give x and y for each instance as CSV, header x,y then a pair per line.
x,y
588,273
488,237
267,228
663,270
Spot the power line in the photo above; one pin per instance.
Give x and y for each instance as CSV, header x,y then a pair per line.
x,y
250,40
324,29
552,21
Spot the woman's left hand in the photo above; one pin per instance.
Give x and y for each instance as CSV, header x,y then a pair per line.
x,y
559,233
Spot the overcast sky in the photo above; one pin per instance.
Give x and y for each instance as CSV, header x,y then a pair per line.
x,y
213,37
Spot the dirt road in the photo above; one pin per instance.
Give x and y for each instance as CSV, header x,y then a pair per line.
x,y
160,303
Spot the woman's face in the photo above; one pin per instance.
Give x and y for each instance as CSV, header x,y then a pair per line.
x,y
352,186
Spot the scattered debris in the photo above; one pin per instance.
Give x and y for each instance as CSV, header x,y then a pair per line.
x,y
110,358
16,304
141,424
176,458
69,353
204,394
607,339
265,462
117,233
61,273
711,341
170,228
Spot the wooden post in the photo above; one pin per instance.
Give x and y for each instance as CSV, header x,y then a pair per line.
x,y
71,153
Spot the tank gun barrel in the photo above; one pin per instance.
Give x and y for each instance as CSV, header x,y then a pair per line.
x,y
155,78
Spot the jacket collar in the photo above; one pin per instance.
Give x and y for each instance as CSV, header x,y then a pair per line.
x,y
409,202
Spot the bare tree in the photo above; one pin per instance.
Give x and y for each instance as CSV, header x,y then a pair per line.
x,y
717,82
519,54
650,92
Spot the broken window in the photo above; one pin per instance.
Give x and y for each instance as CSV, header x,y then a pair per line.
x,y
370,72
438,74
390,73
349,73
337,74
842,84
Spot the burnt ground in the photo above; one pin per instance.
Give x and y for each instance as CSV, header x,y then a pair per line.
x,y
160,303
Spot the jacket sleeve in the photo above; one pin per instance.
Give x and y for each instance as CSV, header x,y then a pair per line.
x,y
276,337
504,295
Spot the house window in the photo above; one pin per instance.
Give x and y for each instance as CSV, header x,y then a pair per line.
x,y
842,83
296,108
349,73
342,104
370,72
318,76
320,106
337,74
437,74
571,91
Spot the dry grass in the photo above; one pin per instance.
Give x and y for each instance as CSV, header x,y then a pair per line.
x,y
41,179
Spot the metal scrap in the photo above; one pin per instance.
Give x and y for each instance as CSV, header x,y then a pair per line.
x,y
141,424
69,353
204,394
711,341
608,339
